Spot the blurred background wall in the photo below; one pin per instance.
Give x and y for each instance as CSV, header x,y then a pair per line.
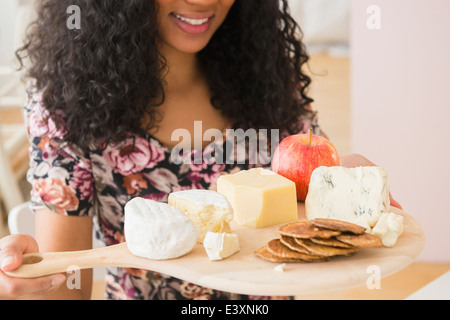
x,y
325,24
13,17
400,74
13,143
6,36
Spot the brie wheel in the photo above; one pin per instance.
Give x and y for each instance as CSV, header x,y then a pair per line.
x,y
155,230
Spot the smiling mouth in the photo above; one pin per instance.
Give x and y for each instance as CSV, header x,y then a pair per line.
x,y
191,21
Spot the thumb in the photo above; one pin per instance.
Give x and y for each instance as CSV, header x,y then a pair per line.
x,y
10,258
12,249
394,203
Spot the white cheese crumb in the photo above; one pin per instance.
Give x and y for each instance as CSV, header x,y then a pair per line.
x,y
280,267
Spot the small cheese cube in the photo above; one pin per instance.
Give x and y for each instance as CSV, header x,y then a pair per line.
x,y
388,228
209,210
219,246
259,197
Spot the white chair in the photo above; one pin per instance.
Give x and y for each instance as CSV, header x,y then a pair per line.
x,y
21,220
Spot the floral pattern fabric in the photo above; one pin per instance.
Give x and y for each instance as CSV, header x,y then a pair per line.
x,y
100,183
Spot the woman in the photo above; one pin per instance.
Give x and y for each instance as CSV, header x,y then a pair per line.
x,y
103,103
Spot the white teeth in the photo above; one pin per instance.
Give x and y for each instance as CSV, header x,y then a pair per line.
x,y
194,22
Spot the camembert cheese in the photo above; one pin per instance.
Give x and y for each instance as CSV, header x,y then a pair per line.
x,y
259,197
155,230
219,246
358,195
209,210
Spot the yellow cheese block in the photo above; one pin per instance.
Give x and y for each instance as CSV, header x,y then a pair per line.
x,y
259,197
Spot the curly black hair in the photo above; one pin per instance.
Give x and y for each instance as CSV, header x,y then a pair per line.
x,y
99,82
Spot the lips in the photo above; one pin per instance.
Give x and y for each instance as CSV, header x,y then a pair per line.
x,y
193,23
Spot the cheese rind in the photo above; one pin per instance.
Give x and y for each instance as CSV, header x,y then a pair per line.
x,y
219,246
208,210
388,228
259,197
358,195
155,230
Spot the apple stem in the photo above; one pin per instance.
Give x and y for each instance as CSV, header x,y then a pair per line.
x,y
310,135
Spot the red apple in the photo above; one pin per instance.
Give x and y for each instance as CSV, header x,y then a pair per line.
x,y
298,155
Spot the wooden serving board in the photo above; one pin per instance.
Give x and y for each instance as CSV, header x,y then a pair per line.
x,y
245,273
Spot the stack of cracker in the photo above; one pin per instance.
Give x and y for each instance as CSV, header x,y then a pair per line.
x,y
317,240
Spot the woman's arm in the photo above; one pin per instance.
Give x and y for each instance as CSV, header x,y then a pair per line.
x,y
62,194
56,232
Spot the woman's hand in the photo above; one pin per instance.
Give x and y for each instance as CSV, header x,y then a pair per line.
x,y
12,248
357,160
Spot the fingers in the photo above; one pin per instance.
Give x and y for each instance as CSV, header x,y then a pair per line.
x,y
355,160
15,288
394,203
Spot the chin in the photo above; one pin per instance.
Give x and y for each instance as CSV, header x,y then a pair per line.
x,y
186,45
190,48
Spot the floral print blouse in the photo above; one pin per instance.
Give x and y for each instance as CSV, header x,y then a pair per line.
x,y
99,185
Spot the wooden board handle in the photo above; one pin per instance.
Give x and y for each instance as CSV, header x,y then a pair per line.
x,y
41,264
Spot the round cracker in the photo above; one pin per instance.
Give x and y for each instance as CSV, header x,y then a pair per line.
x,y
365,240
292,244
325,251
265,254
277,248
304,229
331,242
338,225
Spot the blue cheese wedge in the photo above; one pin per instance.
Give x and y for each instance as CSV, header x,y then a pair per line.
x,y
219,246
357,195
388,228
